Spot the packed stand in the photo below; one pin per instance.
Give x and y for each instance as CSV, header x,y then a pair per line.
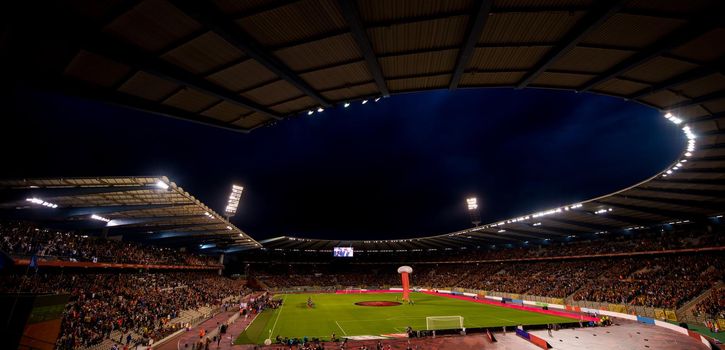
x,y
25,240
713,306
143,304
663,281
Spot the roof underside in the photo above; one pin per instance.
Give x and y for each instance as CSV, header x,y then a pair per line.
x,y
139,208
241,65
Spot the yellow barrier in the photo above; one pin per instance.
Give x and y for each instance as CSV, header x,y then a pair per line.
x,y
617,308
659,314
671,315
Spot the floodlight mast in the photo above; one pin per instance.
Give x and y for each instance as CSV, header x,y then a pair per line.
x,y
472,203
233,202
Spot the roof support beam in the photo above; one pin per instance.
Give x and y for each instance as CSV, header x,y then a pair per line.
x,y
78,89
177,234
475,29
692,30
678,202
698,100
619,218
685,191
352,15
705,118
208,15
658,212
543,229
88,39
586,226
700,170
683,78
704,182
603,9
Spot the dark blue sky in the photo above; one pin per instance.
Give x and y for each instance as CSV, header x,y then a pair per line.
x,y
398,168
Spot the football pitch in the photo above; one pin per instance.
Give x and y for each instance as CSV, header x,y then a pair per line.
x,y
338,313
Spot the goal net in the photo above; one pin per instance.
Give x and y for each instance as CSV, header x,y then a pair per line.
x,y
443,322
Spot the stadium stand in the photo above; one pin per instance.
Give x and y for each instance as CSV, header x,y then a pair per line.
x,y
22,239
108,307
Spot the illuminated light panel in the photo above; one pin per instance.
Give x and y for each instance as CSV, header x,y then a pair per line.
x,y
100,218
233,202
472,203
41,202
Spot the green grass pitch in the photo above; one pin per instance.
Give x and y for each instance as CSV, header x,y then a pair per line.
x,y
338,313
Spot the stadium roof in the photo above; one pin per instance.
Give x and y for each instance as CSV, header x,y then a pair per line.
x,y
241,65
244,64
150,209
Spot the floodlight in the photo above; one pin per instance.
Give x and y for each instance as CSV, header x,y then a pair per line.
x,y
162,185
364,101
310,112
472,203
347,104
377,99
229,228
233,201
320,110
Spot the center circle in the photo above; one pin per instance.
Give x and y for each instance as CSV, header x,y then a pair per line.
x,y
377,303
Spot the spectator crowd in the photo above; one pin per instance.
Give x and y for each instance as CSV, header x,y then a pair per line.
x,y
655,281
138,306
24,239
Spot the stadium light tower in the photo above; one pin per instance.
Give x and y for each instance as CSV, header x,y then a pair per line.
x,y
233,202
473,210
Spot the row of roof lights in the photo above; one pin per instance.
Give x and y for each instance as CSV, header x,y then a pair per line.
x,y
690,143
42,202
603,211
100,218
521,218
345,105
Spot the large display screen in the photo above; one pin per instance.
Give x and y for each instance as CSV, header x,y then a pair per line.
x,y
345,252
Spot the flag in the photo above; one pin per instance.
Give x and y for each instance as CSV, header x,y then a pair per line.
x,y
34,261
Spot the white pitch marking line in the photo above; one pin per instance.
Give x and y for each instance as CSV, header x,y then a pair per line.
x,y
279,313
338,326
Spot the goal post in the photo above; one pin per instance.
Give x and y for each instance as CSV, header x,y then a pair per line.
x,y
433,323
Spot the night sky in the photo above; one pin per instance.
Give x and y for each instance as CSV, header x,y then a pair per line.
x,y
401,167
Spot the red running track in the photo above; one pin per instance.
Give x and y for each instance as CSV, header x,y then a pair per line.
x,y
517,307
